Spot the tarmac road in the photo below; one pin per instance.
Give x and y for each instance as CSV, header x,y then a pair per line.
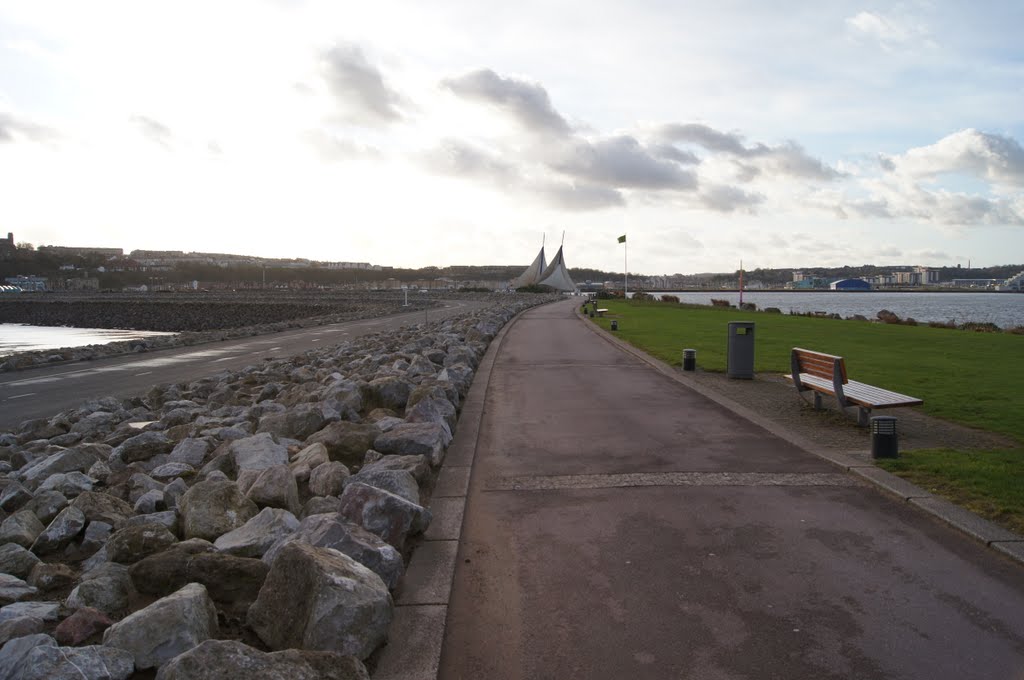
x,y
620,525
42,392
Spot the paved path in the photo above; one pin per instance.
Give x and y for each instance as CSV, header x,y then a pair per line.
x,y
43,392
619,525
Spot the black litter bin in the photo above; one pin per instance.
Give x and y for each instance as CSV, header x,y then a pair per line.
x,y
740,358
884,441
689,359
615,324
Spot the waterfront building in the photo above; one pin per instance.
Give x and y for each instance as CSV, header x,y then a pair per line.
x,y
850,284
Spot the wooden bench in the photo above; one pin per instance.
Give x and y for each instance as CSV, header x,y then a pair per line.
x,y
600,312
826,374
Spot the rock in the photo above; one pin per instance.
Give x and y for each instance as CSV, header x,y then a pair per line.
x,y
51,576
107,588
173,493
96,425
346,442
383,513
46,505
142,447
168,519
295,423
13,497
415,439
305,460
14,654
433,410
217,659
47,611
16,560
210,509
20,627
95,536
150,502
102,507
258,452
75,663
132,543
61,531
71,460
168,627
319,599
318,505
13,589
418,466
22,528
328,479
253,538
139,484
70,484
82,625
389,392
331,531
399,482
275,487
169,471
190,451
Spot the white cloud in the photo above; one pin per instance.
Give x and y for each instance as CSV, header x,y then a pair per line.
x,y
996,158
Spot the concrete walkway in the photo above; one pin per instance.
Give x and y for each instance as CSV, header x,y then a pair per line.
x,y
620,525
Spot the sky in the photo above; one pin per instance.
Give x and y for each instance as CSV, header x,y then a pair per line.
x,y
409,134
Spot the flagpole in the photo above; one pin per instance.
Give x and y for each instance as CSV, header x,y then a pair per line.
x,y
625,265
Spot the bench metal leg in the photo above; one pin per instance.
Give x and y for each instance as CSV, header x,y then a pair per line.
x,y
817,401
862,416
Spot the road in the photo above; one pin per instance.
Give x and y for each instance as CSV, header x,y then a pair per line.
x,y
42,392
621,525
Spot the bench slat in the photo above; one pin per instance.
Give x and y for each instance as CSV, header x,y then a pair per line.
x,y
876,397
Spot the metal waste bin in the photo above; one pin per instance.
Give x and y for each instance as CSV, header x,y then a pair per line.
x,y
615,324
740,359
689,359
884,441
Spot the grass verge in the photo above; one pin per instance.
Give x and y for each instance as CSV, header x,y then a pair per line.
x,y
963,377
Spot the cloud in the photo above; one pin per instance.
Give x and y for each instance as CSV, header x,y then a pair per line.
x,y
528,103
460,159
579,196
622,162
153,130
14,127
724,198
359,88
787,159
333,148
887,31
989,156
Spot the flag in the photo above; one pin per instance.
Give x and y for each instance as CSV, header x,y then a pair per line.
x,y
622,239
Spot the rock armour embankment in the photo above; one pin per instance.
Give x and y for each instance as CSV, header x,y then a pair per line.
x,y
252,523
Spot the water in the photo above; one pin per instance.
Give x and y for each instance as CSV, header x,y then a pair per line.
x,y
16,338
1006,310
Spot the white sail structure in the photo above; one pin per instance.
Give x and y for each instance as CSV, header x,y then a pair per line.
x,y
533,272
557,275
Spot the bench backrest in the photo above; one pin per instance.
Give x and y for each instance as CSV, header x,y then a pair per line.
x,y
818,364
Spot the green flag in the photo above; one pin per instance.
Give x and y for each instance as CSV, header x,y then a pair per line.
x,y
622,239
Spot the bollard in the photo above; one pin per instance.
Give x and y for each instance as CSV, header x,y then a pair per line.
x,y
884,441
689,360
615,324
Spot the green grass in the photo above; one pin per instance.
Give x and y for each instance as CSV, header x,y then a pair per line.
x,y
969,378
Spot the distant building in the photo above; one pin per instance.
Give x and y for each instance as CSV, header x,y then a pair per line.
x,y
28,283
850,284
7,247
66,250
975,283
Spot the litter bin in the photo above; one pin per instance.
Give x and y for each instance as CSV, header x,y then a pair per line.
x,y
884,441
689,359
615,324
740,359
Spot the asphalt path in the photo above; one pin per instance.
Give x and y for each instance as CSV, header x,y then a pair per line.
x,y
42,392
621,525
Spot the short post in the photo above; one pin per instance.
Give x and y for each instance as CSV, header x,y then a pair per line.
x,y
615,324
689,360
884,441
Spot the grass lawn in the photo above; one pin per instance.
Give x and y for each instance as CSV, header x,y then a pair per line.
x,y
964,377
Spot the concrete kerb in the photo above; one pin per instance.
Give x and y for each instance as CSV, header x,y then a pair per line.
x,y
421,599
992,535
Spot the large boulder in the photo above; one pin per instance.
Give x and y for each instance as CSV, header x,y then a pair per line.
x,y
346,442
107,587
329,530
22,528
417,466
47,662
415,439
399,482
228,579
217,659
102,507
319,599
82,625
388,392
190,451
47,504
13,589
168,627
275,487
70,460
212,508
132,543
381,512
328,479
15,652
258,452
61,531
142,447
295,423
255,537
16,560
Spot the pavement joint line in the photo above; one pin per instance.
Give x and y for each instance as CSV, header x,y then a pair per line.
x,y
952,515
677,479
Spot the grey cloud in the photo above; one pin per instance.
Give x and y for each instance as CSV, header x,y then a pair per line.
x,y
890,251
886,163
671,153
983,154
454,157
12,127
787,159
359,88
527,102
746,173
871,208
580,197
934,256
153,130
332,148
728,199
622,162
